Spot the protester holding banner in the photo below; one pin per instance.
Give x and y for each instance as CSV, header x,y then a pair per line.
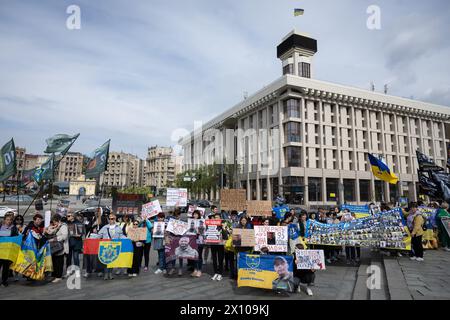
x,y
303,278
58,235
158,245
198,264
110,231
7,229
218,253
442,232
416,233
36,227
138,249
146,223
76,233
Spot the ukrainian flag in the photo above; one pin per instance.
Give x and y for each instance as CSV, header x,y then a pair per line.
x,y
298,12
381,170
31,262
10,248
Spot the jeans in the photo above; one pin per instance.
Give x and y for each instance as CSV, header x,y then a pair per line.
x,y
217,252
417,247
350,253
199,262
162,259
76,257
232,264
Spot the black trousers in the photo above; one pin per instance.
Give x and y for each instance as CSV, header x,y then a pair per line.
x,y
4,264
417,247
137,259
146,247
217,252
229,256
58,265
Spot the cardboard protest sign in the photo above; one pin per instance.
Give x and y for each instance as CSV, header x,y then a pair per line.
x,y
310,259
176,197
192,208
265,272
181,247
275,238
384,230
233,199
177,227
150,209
158,229
137,234
213,233
243,237
260,208
47,218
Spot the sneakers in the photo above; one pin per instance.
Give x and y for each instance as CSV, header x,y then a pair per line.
x,y
199,274
412,258
110,276
105,277
164,271
447,249
86,275
328,261
100,274
214,277
146,269
158,271
299,290
118,272
171,272
399,254
309,292
419,259
180,272
219,277
348,262
56,280
194,274
134,274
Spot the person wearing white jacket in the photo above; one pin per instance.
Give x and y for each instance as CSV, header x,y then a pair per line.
x,y
58,232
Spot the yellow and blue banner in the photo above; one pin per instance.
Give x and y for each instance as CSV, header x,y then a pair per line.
x,y
359,211
116,253
10,248
31,262
265,271
382,171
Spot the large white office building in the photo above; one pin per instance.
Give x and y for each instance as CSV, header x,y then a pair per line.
x,y
318,134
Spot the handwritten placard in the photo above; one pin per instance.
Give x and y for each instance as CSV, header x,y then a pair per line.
x,y
233,199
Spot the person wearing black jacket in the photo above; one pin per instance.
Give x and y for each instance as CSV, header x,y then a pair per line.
x,y
7,229
76,233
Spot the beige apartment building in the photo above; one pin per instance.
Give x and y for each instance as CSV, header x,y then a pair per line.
x,y
309,140
160,171
70,167
123,170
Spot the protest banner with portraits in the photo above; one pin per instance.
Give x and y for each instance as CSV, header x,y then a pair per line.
x,y
384,230
265,272
274,238
310,259
359,211
180,247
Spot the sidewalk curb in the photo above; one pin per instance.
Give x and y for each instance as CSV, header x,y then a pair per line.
x,y
397,287
360,292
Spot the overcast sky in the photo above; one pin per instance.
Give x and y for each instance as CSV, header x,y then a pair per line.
x,y
138,70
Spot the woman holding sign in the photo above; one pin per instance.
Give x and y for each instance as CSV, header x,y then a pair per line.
x,y
138,248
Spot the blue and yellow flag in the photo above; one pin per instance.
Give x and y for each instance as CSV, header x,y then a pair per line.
x,y
31,262
10,248
116,253
298,12
381,170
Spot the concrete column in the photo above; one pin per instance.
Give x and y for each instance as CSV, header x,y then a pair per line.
x,y
281,150
269,188
358,195
306,190
302,133
370,149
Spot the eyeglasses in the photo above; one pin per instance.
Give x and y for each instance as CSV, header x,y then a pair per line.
x,y
136,224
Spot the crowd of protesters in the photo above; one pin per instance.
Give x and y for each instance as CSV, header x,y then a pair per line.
x,y
66,235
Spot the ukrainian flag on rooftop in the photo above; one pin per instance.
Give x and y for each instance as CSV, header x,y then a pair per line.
x,y
298,12
381,170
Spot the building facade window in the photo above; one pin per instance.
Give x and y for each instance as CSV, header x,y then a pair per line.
x,y
293,190
349,190
332,189
292,108
292,132
364,190
304,69
315,189
288,69
293,158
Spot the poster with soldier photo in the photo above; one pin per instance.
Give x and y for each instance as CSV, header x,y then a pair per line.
x,y
180,247
158,229
275,238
